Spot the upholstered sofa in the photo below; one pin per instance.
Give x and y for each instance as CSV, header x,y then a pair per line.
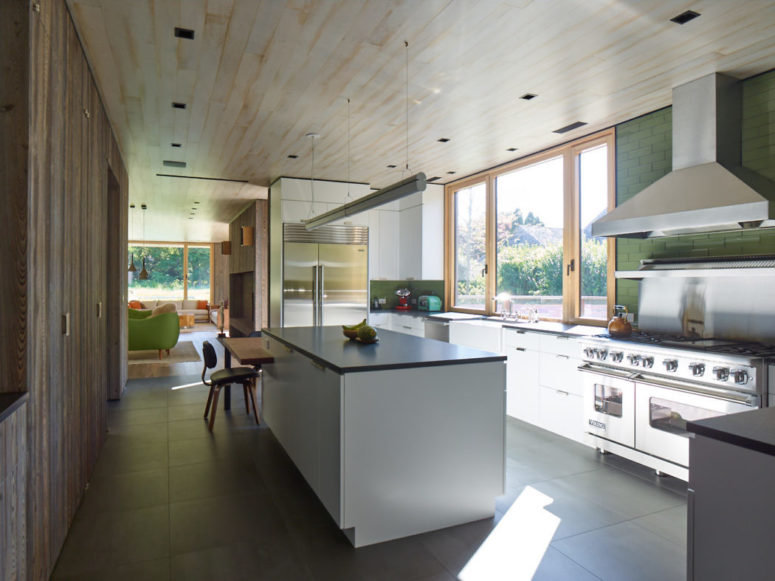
x,y
148,331
188,307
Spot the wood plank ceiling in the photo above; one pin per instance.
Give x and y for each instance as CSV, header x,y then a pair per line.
x,y
261,74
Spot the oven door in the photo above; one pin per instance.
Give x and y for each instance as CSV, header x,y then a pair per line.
x,y
609,405
662,413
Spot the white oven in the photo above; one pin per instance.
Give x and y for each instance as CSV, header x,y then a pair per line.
x,y
609,405
662,412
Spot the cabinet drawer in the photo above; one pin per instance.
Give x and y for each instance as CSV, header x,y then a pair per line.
x,y
562,412
560,371
560,344
519,338
477,334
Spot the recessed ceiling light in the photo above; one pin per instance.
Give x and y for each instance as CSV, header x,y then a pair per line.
x,y
196,202
292,156
186,33
685,17
451,173
131,205
528,96
433,179
571,127
392,166
512,149
443,140
190,218
169,163
175,144
176,105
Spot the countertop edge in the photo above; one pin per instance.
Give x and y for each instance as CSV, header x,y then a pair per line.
x,y
382,367
10,402
724,435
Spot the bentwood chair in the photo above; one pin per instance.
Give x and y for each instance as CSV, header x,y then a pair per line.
x,y
244,375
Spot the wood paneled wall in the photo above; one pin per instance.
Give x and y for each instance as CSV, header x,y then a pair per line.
x,y
14,117
13,502
76,251
220,275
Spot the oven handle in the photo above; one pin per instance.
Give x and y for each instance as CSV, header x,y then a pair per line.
x,y
750,400
587,368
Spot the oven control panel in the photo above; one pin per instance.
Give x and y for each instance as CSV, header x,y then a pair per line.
x,y
735,372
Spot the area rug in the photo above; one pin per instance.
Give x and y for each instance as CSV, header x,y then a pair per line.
x,y
183,352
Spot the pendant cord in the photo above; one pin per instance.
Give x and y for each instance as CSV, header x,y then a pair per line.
x,y
406,45
312,136
348,149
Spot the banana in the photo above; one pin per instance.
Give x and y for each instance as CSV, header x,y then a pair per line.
x,y
354,327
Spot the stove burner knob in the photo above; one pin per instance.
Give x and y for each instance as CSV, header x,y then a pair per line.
x,y
601,354
634,360
721,373
589,352
616,356
670,365
698,369
740,375
648,362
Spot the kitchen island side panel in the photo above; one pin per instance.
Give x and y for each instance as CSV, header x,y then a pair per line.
x,y
423,448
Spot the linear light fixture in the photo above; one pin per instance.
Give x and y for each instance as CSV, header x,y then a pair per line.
x,y
398,190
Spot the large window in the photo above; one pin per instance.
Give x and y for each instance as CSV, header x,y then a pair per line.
x,y
176,271
519,236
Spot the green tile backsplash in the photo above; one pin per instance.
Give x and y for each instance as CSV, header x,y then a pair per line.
x,y
644,154
387,289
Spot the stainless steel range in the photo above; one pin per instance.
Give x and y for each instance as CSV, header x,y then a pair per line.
x,y
641,391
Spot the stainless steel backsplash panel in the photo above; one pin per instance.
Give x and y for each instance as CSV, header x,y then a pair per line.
x,y
724,308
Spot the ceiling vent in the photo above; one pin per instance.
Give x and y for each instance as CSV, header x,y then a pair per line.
x,y
176,105
433,179
685,17
186,33
571,127
168,163
528,96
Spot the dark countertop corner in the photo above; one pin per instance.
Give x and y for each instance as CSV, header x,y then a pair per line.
x,y
10,402
754,430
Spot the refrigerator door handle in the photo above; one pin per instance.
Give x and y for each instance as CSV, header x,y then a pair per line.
x,y
321,293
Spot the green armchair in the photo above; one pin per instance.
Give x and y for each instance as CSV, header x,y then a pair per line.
x,y
147,331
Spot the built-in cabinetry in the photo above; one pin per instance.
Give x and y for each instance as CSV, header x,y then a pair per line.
x,y
248,270
406,237
543,384
13,487
400,322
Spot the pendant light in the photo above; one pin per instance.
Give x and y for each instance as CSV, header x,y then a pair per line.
x,y
132,267
406,187
144,273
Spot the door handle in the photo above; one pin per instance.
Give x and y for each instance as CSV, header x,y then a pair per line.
x,y
571,267
520,348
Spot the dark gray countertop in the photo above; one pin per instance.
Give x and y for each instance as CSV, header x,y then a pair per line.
x,y
394,350
554,328
754,430
409,313
10,402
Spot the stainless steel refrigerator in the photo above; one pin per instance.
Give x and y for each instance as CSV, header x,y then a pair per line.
x,y
325,275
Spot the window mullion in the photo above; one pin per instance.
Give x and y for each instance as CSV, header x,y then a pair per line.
x,y
490,237
570,261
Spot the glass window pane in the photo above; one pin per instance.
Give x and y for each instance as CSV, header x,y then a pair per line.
x,y
165,269
529,238
593,194
470,246
199,273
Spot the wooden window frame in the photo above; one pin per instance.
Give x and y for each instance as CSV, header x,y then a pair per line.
x,y
185,246
571,288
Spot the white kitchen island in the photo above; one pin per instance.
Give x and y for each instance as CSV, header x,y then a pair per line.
x,y
396,438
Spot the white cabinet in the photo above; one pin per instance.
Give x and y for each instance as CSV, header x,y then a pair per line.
x,y
410,243
521,348
398,322
561,402
387,246
478,334
433,233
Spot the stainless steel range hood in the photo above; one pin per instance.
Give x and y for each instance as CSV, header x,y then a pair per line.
x,y
708,190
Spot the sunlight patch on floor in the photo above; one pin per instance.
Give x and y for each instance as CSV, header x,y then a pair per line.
x,y
184,386
515,547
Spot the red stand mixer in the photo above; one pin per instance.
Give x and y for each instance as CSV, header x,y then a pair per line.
x,y
403,299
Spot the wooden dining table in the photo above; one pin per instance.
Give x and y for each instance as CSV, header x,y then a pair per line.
x,y
246,350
